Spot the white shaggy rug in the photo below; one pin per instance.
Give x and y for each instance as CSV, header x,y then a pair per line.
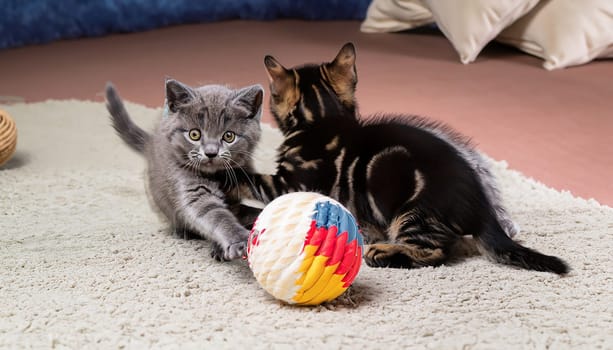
x,y
85,263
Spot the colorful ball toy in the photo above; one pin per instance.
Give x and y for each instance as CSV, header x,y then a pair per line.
x,y
8,137
305,248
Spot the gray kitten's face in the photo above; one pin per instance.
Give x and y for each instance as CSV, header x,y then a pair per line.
x,y
212,128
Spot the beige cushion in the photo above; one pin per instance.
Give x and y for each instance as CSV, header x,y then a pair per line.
x,y
395,16
471,24
468,24
564,32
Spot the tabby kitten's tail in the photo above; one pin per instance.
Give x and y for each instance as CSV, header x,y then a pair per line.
x,y
503,249
129,132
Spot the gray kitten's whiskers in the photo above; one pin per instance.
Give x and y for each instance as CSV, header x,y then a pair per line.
x,y
251,184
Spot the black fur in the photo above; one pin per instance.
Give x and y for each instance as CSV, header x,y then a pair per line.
x,y
405,178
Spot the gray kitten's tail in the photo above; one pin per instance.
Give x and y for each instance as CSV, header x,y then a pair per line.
x,y
129,132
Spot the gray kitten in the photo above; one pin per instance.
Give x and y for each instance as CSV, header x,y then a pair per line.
x,y
205,137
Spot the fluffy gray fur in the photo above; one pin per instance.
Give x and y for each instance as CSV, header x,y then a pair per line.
x,y
205,132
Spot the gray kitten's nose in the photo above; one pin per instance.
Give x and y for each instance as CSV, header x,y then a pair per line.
x,y
211,151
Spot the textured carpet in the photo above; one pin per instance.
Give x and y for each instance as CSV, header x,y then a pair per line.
x,y
87,264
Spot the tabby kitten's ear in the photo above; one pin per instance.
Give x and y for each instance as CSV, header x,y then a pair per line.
x,y
251,98
283,89
177,94
281,79
343,75
344,63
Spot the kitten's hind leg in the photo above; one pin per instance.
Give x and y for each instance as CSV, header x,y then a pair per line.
x,y
399,255
410,244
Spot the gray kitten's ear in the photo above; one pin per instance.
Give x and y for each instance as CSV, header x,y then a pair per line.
x,y
177,94
251,97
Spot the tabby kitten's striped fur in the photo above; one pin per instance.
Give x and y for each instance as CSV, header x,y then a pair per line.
x,y
202,144
416,187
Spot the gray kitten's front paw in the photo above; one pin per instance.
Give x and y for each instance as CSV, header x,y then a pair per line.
x,y
217,251
236,250
231,252
227,251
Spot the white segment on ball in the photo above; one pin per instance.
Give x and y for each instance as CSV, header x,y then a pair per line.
x,y
288,221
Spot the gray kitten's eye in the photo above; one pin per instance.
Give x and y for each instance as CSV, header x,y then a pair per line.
x,y
229,136
194,134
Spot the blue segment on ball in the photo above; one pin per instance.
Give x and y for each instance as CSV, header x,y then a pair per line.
x,y
329,214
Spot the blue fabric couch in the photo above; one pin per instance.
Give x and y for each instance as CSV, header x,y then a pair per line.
x,y
24,22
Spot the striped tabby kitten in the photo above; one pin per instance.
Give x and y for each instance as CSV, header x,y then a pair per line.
x,y
415,186
205,137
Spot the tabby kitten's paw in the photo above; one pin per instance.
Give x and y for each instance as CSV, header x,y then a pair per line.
x,y
402,255
386,255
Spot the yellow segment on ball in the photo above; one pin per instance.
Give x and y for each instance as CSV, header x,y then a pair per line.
x,y
307,295
334,289
314,272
